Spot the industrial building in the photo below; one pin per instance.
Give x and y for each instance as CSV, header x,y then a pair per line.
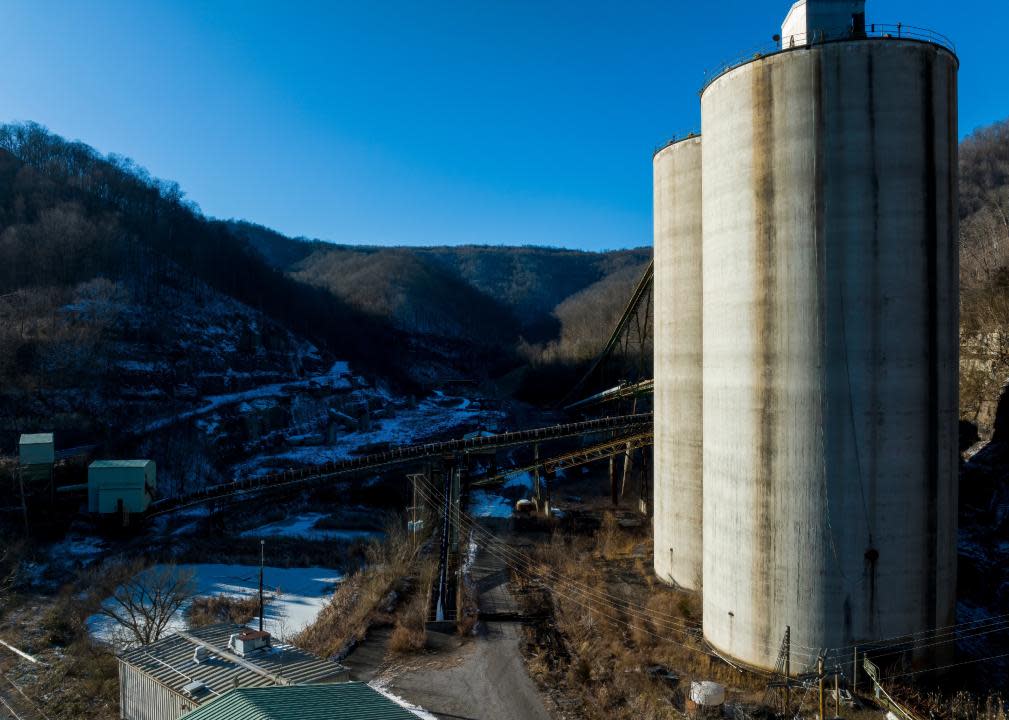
x,y
829,313
121,487
182,672
345,701
36,457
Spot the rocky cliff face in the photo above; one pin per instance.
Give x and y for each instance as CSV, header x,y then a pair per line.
x,y
984,373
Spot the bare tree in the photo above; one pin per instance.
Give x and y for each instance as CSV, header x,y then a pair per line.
x,y
147,600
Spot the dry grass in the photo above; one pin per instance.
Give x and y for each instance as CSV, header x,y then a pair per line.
x,y
223,608
79,680
372,596
965,706
592,654
595,653
410,632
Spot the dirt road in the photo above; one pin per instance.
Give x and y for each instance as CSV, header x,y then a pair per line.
x,y
481,678
486,680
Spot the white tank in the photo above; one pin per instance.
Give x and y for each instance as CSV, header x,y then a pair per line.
x,y
707,693
677,363
830,347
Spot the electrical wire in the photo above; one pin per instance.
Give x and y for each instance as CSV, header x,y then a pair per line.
x,y
953,637
528,566
527,561
28,699
580,595
946,667
635,610
899,640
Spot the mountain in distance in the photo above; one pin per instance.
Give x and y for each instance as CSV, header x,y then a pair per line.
x,y
495,294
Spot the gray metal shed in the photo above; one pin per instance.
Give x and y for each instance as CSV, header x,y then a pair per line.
x,y
177,674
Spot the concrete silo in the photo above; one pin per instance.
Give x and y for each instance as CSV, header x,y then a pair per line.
x,y
677,288
830,342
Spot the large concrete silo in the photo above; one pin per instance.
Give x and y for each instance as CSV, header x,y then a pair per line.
x,y
830,346
677,289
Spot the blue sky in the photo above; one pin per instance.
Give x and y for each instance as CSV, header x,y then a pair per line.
x,y
517,121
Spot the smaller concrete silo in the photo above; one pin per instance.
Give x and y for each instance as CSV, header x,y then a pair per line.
x,y
678,370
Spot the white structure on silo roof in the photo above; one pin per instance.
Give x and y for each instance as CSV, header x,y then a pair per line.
x,y
811,21
677,328
830,343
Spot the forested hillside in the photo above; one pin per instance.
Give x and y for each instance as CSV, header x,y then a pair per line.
x,y
69,215
120,301
479,293
984,274
120,304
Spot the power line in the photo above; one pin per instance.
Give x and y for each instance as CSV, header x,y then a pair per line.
x,y
528,562
946,667
579,594
30,701
523,567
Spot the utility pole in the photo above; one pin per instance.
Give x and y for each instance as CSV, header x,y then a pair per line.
x,y
819,672
549,476
24,500
788,670
837,693
628,464
536,475
854,672
643,484
613,482
413,507
262,558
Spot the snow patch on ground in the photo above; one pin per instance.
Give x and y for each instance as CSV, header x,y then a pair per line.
x,y
410,425
334,378
303,526
485,504
415,709
303,592
79,547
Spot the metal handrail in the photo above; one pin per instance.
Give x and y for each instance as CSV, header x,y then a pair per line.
x,y
677,138
798,41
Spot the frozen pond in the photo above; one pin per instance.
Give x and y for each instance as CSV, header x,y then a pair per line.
x,y
303,592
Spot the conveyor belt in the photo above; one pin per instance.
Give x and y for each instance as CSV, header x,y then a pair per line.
x,y
397,456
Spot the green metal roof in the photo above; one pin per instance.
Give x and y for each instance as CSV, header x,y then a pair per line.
x,y
120,463
340,701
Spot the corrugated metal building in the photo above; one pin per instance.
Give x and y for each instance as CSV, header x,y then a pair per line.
x,y
169,678
346,701
129,482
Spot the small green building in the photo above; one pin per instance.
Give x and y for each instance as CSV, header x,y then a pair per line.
x,y
36,449
121,486
343,701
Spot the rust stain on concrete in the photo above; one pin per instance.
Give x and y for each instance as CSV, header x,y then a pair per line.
x,y
765,355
